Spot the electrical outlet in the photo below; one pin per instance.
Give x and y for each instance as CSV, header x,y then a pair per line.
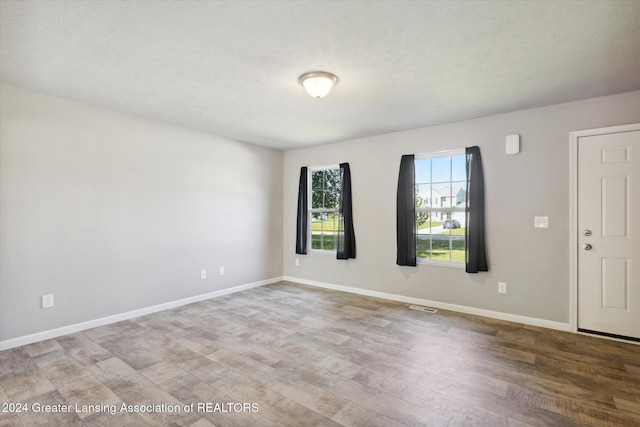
x,y
203,274
297,262
221,271
502,287
541,222
46,301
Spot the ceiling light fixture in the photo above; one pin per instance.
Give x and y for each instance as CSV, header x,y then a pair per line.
x,y
318,83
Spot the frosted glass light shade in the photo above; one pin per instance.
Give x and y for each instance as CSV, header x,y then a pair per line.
x,y
318,83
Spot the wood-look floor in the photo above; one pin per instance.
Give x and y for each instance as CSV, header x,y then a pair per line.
x,y
313,357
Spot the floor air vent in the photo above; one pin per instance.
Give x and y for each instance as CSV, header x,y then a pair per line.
x,y
425,309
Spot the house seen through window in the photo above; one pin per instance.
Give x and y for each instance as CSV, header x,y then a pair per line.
x,y
441,201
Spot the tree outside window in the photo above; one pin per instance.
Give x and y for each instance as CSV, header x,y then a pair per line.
x,y
325,204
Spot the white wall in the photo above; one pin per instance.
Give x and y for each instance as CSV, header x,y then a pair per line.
x,y
533,262
113,213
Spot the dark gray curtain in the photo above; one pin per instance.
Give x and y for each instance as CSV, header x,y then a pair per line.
x,y
406,212
346,234
301,226
475,256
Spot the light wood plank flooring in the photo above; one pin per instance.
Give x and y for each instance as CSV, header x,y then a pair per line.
x,y
313,357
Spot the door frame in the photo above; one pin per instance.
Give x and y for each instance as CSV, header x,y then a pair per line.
x,y
574,138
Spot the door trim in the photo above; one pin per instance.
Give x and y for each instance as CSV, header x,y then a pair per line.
x,y
574,137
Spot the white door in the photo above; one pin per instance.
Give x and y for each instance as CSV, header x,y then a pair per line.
x,y
609,232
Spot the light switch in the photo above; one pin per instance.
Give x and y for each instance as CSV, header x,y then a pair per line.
x,y
541,222
46,301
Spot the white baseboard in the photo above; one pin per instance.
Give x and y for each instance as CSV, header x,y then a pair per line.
x,y
543,323
53,333
70,329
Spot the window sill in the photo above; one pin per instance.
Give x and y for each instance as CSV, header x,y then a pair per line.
x,y
321,252
441,263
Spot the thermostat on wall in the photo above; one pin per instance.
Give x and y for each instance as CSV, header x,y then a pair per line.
x,y
513,144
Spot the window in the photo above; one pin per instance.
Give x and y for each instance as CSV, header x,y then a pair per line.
x,y
441,201
325,204
331,213
433,196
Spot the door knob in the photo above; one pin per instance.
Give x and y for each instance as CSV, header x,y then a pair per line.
x,y
587,247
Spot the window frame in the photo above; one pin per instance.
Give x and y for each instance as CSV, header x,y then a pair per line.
x,y
451,209
311,210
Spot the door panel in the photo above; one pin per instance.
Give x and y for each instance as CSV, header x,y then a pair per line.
x,y
615,284
615,207
608,257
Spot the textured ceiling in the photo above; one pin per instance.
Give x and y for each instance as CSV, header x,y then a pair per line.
x,y
232,68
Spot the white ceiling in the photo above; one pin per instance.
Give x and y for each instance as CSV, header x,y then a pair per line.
x,y
232,68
